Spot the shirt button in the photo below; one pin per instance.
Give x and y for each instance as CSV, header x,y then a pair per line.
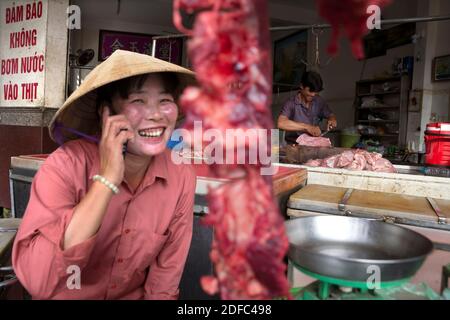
x,y
127,231
120,260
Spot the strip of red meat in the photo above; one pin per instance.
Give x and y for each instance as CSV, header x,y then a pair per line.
x,y
230,53
243,240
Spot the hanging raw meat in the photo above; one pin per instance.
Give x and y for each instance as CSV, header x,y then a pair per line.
x,y
230,53
350,15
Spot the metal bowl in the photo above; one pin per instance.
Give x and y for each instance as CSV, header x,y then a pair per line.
x,y
352,248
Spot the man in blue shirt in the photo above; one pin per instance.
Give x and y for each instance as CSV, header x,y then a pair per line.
x,y
303,112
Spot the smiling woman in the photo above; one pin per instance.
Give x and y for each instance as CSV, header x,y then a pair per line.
x,y
148,102
124,222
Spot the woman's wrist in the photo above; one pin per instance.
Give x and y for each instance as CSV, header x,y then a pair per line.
x,y
106,182
111,176
88,215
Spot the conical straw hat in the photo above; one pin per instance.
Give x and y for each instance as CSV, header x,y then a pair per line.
x,y
79,111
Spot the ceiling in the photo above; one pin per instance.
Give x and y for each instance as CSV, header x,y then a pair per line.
x,y
156,12
306,4
159,12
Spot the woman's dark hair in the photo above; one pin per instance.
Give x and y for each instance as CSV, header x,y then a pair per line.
x,y
313,81
125,86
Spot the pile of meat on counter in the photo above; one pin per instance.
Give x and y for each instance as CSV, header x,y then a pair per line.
x,y
355,160
352,159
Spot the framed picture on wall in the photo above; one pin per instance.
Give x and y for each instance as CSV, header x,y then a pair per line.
x,y
441,68
288,66
110,41
170,50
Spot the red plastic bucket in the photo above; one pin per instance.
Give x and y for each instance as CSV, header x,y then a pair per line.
x,y
437,143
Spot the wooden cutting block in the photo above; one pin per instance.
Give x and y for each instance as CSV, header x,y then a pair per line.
x,y
397,205
326,199
288,178
316,195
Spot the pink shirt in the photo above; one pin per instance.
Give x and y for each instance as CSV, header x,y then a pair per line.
x,y
140,249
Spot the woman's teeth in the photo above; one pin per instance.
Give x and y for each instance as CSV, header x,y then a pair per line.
x,y
151,133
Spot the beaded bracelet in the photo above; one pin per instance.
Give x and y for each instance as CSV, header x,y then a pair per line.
x,y
106,182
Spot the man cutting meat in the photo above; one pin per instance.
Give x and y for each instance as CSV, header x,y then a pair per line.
x,y
303,112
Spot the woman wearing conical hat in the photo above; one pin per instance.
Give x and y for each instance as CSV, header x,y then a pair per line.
x,y
110,215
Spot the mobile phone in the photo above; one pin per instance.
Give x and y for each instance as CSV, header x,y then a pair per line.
x,y
124,149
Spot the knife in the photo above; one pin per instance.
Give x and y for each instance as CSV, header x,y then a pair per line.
x,y
326,132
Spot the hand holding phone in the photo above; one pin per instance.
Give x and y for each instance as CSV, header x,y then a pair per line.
x,y
115,134
125,145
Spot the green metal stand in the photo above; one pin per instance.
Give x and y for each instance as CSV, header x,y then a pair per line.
x,y
326,288
350,283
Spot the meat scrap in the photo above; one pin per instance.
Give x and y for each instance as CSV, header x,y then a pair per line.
x,y
230,53
350,15
345,159
355,160
359,161
383,165
308,141
314,163
330,162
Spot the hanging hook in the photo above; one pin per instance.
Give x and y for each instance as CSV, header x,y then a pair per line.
x,y
317,32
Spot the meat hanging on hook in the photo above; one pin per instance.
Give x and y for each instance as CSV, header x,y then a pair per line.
x,y
230,53
350,15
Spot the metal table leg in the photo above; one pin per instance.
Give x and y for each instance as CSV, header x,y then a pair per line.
x,y
445,277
